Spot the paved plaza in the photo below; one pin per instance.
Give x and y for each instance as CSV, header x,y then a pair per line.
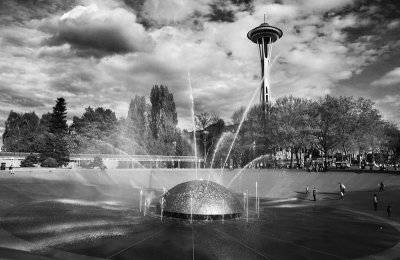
x,y
89,214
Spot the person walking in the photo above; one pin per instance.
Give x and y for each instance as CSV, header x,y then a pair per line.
x,y
11,169
343,188
388,210
375,202
381,186
314,193
307,188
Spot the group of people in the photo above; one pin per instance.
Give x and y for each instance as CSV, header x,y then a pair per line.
x,y
314,192
375,200
316,167
342,189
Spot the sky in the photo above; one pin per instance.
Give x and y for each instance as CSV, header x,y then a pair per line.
x,y
103,53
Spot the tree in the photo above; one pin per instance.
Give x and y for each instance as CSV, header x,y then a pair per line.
x,y
45,122
259,128
58,121
346,123
386,143
202,122
392,142
163,120
94,130
326,116
368,121
54,143
97,162
292,125
30,160
49,162
210,137
238,115
205,119
55,147
20,132
182,145
137,124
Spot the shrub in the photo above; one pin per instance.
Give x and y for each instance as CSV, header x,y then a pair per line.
x,y
49,162
98,162
30,161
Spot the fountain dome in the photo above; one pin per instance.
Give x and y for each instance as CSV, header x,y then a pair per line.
x,y
200,200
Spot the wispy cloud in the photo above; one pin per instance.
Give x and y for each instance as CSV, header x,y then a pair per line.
x,y
389,79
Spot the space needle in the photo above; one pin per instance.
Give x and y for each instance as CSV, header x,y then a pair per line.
x,y
264,35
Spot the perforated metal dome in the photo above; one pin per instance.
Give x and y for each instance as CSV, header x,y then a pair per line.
x,y
201,200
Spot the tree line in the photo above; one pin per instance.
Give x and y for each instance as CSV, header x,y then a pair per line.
x,y
148,129
304,127
325,127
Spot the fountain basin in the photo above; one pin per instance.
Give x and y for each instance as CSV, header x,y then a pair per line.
x,y
199,199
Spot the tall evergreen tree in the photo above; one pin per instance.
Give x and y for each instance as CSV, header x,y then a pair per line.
x,y
55,143
58,122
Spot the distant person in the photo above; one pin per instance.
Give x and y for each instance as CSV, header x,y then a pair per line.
x,y
381,186
307,188
342,188
375,202
11,169
388,210
341,195
314,193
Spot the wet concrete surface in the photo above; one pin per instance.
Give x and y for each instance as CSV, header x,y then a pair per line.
x,y
55,218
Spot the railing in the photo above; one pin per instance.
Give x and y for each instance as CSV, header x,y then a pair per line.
x,y
14,154
128,157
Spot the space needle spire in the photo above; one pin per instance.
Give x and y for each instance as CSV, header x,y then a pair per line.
x,y
264,35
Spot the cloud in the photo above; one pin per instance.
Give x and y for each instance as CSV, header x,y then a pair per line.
x,y
389,105
390,78
319,6
98,31
184,12
393,24
172,11
310,58
18,12
15,97
159,42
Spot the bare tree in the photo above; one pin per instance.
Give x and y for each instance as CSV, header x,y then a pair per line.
x,y
204,120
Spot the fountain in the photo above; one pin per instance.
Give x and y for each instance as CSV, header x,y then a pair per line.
x,y
201,200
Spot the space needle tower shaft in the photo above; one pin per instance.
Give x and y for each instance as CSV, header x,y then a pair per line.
x,y
264,36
